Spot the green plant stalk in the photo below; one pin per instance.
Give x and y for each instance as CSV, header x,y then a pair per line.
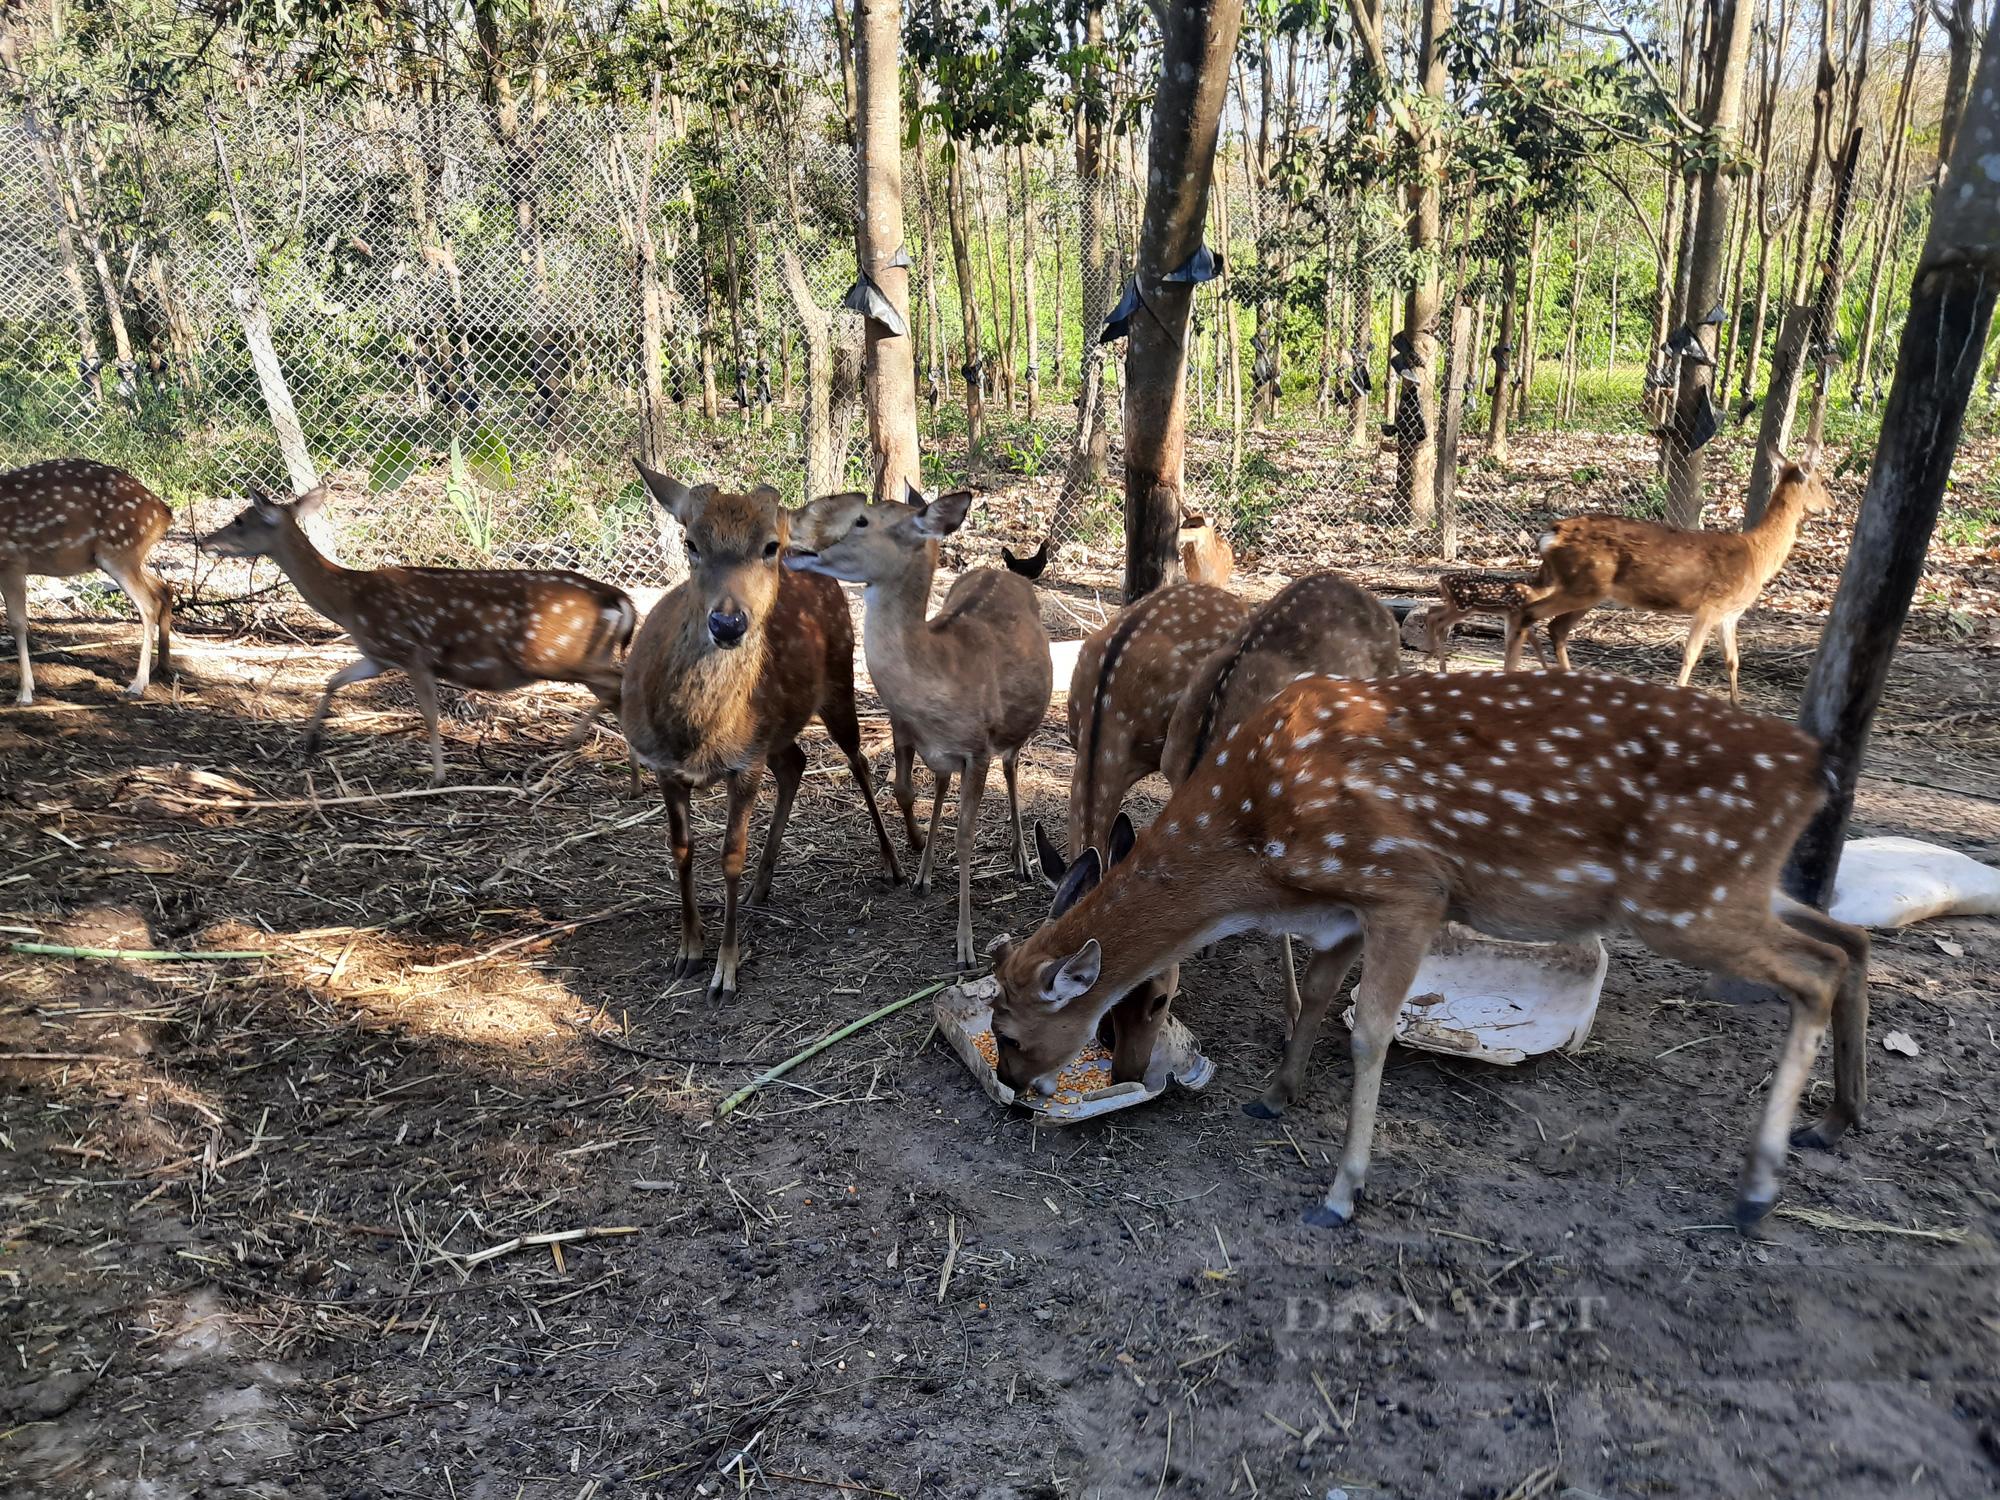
x,y
771,1075
145,955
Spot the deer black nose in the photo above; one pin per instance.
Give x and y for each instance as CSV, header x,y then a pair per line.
x,y
727,627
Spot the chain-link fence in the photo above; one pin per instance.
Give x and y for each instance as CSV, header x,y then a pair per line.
x,y
445,322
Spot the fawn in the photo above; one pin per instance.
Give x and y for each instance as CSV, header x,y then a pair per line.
x,y
1322,623
1361,816
722,679
964,687
1713,576
1463,594
65,516
491,628
1205,554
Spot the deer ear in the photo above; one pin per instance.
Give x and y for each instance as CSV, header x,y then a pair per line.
x,y
912,496
1079,881
673,497
309,502
945,514
1123,837
1054,866
1063,982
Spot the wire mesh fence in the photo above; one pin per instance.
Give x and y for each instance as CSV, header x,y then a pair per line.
x,y
446,326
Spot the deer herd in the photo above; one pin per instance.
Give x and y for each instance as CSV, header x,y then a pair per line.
x,y
1319,793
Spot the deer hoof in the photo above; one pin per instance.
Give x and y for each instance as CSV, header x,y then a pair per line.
x,y
1750,1212
686,966
1263,1109
1820,1135
1326,1216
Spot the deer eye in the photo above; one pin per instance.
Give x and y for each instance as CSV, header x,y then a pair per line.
x,y
694,552
860,523
771,549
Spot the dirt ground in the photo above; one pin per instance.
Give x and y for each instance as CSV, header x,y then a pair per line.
x,y
434,1199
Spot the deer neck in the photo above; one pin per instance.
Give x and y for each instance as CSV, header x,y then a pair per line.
x,y
894,632
1777,529
323,583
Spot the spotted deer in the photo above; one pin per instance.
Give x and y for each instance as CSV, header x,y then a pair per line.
x,y
65,516
964,687
495,629
1205,553
1462,594
1322,623
723,678
1361,816
1711,576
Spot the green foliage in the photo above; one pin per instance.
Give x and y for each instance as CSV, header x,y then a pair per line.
x,y
394,462
471,510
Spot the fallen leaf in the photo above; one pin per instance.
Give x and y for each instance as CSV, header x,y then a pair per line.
x,y
1903,1042
1950,949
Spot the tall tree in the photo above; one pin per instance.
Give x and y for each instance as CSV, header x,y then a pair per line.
x,y
890,380
1198,41
1694,417
1951,309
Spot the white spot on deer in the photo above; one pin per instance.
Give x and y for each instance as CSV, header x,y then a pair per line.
x,y
1518,799
1222,758
1764,761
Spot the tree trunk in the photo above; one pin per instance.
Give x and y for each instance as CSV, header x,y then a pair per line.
x,y
1416,405
968,304
1031,373
1684,452
1951,308
1225,309
1459,382
1962,33
1826,302
89,353
1361,415
1084,477
850,97
1198,40
1889,231
248,298
1503,359
1531,325
90,226
890,379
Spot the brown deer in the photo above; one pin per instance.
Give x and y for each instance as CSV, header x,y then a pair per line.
x,y
721,681
1205,554
1361,816
1323,623
65,516
1463,594
964,687
1712,576
1129,675
496,629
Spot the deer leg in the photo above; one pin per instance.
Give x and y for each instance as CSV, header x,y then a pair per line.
x,y
929,845
1010,767
1392,948
971,786
1727,630
1324,976
1293,1004
425,687
787,770
680,836
1807,971
14,593
844,729
1443,618
163,617
137,585
1697,638
354,671
1559,628
1517,626
1850,1022
905,792
735,851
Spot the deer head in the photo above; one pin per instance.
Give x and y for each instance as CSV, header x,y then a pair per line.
x,y
734,542
262,525
848,537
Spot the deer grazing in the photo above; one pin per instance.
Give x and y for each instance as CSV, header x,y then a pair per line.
x,y
722,679
1324,623
1462,594
964,687
495,629
1712,576
1205,555
1361,816
65,516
